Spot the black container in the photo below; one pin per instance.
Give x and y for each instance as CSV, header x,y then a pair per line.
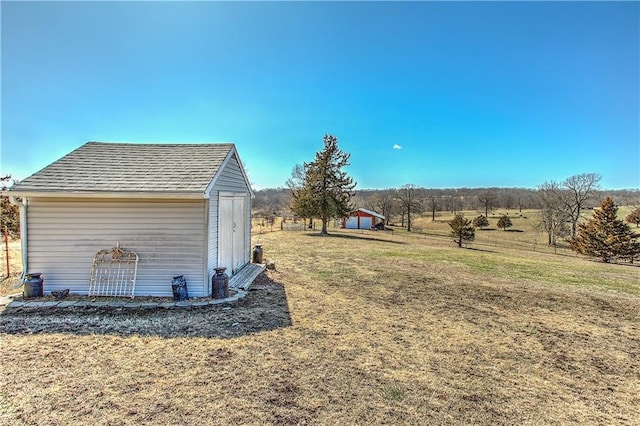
x,y
179,286
33,286
220,284
257,254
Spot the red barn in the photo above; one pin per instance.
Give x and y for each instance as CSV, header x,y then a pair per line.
x,y
361,219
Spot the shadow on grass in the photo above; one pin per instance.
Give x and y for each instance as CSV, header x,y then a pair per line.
x,y
265,308
356,237
482,250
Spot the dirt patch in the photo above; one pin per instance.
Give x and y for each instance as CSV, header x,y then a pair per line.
x,y
264,308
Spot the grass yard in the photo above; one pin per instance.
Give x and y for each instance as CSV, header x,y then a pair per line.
x,y
354,328
9,281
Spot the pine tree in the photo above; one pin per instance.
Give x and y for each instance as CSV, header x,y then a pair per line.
x,y
461,229
504,222
301,198
481,222
605,236
323,189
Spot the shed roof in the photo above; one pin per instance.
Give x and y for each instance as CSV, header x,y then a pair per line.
x,y
107,167
369,212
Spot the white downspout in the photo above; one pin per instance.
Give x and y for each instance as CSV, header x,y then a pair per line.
x,y
24,236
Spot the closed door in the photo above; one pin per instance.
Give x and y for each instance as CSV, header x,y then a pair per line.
x,y
365,222
231,233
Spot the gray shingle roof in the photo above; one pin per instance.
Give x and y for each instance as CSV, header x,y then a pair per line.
x,y
128,167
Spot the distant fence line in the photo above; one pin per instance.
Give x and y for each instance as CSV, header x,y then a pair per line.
x,y
417,233
257,229
534,246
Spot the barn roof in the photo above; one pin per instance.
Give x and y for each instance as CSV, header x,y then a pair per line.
x,y
370,212
107,167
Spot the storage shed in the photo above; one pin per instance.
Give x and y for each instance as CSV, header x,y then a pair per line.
x,y
361,219
185,209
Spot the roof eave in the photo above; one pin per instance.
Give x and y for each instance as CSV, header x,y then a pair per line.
x,y
196,195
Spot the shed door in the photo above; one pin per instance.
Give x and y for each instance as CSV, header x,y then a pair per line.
x,y
231,233
352,223
365,223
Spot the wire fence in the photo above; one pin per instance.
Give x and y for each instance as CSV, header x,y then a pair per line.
x,y
481,241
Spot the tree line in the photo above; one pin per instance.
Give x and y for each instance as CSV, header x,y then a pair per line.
x,y
401,205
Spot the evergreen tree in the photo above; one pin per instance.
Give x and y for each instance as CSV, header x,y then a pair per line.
x,y
481,222
504,222
605,236
322,188
461,229
301,198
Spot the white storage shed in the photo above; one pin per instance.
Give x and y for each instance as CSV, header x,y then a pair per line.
x,y
185,209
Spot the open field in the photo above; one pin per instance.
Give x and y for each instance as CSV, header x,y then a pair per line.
x,y
7,284
354,328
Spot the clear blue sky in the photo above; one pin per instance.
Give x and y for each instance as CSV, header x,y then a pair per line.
x,y
447,94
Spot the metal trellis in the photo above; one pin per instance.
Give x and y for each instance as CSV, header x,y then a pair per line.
x,y
114,272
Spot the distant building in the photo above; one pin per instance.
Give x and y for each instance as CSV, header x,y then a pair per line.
x,y
362,219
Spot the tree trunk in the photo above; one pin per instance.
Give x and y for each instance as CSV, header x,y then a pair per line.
x,y
324,227
460,241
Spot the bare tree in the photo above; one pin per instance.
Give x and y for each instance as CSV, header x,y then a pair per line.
x,y
578,189
409,198
383,203
487,200
9,213
433,201
554,217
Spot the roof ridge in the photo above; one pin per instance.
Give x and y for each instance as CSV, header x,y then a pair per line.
x,y
149,143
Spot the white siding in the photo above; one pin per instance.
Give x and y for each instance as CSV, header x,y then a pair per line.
x,y
169,236
212,256
230,180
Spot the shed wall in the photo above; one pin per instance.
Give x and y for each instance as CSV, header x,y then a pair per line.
x,y
230,180
169,237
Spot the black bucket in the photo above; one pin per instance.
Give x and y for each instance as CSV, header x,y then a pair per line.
x,y
179,286
33,287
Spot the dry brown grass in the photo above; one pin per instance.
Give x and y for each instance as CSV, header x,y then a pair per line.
x,y
9,281
355,328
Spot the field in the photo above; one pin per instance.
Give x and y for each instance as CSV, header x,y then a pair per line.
x,y
355,328
8,283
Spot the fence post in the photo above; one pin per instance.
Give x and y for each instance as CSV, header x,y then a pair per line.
x,y
6,249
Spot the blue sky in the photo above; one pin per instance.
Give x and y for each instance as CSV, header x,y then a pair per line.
x,y
438,94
